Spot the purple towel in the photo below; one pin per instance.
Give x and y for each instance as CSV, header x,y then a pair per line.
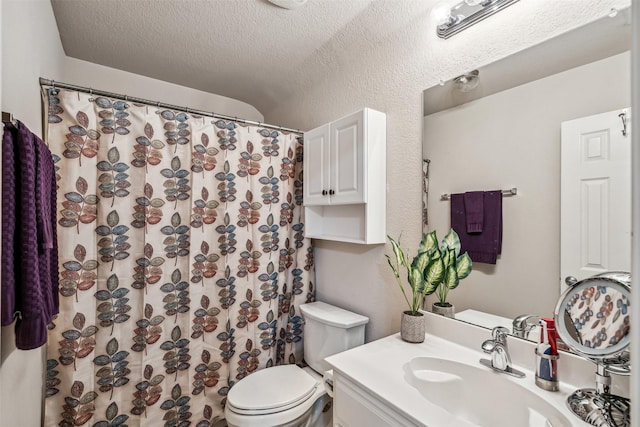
x,y
474,211
482,247
9,186
29,239
45,179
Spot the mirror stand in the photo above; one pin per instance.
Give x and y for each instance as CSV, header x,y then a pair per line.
x,y
596,406
592,318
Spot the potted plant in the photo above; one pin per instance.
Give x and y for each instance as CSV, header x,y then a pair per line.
x,y
456,268
433,267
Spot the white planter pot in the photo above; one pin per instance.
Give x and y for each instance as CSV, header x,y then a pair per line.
x,y
412,327
446,311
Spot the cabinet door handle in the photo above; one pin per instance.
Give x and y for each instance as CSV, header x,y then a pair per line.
x,y
324,192
331,192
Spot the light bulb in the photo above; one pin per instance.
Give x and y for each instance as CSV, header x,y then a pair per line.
x,y
441,14
467,82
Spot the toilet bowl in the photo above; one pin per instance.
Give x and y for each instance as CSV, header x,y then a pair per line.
x,y
291,396
285,395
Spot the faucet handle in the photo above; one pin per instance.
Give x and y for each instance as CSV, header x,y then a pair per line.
x,y
499,334
488,346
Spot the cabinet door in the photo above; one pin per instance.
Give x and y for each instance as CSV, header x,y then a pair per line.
x,y
355,407
347,160
316,166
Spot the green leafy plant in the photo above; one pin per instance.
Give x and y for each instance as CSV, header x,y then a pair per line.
x,y
435,268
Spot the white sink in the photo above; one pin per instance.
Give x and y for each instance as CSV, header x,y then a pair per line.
x,y
480,396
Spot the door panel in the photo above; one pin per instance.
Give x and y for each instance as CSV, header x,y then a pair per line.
x,y
595,196
347,179
316,166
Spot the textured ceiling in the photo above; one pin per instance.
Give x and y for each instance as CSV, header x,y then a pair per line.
x,y
248,50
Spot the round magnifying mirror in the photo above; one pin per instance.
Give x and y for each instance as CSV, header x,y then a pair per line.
x,y
593,316
593,319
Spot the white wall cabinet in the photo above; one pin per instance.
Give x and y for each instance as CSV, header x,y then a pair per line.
x,y
334,173
345,179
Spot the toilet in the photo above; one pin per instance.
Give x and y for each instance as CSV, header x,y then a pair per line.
x,y
291,396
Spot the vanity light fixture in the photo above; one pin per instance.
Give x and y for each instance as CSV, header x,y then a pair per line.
x,y
465,14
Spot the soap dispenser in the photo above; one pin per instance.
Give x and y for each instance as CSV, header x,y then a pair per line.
x,y
547,356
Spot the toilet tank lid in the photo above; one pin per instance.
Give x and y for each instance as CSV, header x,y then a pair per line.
x,y
332,315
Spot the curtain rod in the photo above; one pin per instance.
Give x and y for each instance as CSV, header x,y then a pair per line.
x,y
55,84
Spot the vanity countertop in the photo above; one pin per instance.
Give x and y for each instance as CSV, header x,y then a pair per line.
x,y
381,369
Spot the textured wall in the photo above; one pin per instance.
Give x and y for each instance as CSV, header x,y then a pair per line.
x,y
388,72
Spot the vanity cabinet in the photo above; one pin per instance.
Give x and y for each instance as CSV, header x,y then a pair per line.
x,y
355,407
345,179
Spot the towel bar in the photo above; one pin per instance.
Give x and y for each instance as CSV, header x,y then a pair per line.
x,y
510,192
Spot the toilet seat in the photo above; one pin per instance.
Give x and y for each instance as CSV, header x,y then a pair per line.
x,y
288,386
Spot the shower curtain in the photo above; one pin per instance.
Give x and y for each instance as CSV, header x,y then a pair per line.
x,y
182,261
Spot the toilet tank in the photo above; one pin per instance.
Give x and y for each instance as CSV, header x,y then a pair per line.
x,y
329,330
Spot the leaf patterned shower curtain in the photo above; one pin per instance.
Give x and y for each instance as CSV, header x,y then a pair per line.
x,y
182,261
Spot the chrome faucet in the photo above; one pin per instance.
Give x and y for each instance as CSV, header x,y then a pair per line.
x,y
524,324
497,348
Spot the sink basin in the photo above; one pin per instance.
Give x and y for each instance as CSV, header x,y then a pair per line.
x,y
480,396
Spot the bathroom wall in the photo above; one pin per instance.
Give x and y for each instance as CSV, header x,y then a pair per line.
x,y
388,72
521,126
31,49
385,71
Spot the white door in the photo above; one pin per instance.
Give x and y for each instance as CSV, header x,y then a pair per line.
x,y
316,166
347,160
595,196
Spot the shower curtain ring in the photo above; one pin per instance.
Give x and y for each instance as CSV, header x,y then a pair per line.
x,y
90,94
